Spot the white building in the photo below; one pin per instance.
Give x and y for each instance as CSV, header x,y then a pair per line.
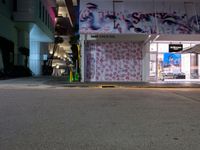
x,y
27,24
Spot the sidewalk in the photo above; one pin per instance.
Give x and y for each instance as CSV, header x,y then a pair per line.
x,y
48,81
63,82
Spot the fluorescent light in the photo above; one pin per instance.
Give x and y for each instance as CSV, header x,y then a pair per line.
x,y
156,37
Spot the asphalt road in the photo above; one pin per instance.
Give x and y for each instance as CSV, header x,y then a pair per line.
x,y
99,119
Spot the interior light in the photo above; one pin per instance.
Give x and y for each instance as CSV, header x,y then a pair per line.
x,y
51,52
156,37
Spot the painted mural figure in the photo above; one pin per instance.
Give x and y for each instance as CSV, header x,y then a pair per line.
x,y
95,19
91,15
194,24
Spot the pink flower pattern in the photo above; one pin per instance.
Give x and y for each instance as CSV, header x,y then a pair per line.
x,y
113,61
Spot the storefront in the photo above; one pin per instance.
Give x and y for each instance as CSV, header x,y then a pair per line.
x,y
149,59
173,66
112,58
111,61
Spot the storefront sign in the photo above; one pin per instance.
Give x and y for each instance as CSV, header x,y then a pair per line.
x,y
175,47
103,36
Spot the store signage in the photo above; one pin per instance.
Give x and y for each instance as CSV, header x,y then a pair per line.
x,y
175,47
103,36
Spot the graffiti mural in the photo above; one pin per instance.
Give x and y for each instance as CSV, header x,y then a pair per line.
x,y
112,61
98,19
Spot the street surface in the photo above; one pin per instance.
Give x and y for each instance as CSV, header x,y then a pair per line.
x,y
51,118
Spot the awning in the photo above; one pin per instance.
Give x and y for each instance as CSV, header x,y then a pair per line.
x,y
194,49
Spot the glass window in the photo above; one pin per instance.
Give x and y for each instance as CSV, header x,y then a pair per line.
x,y
153,47
153,65
162,47
186,46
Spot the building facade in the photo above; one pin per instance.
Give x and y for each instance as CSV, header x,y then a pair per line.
x,y
65,23
117,39
26,25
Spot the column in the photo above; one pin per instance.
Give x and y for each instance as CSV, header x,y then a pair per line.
x,y
34,58
145,62
82,39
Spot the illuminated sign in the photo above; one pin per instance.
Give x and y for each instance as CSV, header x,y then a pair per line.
x,y
175,47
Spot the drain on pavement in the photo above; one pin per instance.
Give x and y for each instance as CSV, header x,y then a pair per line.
x,y
108,86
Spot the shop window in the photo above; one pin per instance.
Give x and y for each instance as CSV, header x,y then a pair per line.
x,y
193,45
153,65
162,47
194,66
153,47
172,66
185,65
186,45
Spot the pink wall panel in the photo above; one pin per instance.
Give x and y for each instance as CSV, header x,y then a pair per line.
x,y
113,61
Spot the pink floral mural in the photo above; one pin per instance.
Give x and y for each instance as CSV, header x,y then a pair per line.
x,y
113,61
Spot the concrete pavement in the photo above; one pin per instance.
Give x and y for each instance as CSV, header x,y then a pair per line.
x,y
49,82
99,119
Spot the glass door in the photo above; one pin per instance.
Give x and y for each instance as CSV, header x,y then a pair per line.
x,y
153,66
